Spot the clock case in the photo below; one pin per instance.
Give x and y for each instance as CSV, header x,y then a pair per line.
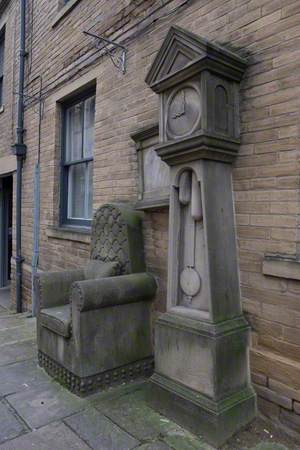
x,y
186,61
202,376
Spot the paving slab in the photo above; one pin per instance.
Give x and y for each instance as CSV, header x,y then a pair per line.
x,y
3,311
99,432
186,441
20,351
21,376
10,426
13,321
56,436
5,297
132,414
115,392
6,312
17,334
46,403
153,446
269,446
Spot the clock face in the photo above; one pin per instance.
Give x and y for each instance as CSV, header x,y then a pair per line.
x,y
183,112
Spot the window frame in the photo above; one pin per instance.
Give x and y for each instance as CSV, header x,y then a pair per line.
x,y
64,190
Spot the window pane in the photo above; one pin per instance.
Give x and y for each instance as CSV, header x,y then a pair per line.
x,y
79,145
74,117
89,121
76,191
90,190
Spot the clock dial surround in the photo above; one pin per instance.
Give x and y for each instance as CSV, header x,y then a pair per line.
x,y
183,112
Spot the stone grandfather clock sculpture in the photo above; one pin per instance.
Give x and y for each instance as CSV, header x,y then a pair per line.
x,y
201,376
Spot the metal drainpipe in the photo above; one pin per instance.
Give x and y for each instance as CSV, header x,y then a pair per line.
x,y
36,209
19,149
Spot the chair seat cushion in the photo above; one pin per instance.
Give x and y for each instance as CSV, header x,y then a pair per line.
x,y
57,319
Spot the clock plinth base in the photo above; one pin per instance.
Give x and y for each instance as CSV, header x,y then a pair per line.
x,y
201,377
215,421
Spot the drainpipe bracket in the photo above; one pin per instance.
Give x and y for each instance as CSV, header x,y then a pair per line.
x,y
19,150
19,259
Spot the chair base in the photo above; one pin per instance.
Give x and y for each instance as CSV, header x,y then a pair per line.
x,y
83,386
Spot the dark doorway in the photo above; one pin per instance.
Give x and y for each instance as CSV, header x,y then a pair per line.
x,y
6,188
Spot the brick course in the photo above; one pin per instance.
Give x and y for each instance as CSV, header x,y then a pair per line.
x,y
265,174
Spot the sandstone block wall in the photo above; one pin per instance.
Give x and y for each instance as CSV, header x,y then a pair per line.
x,y
265,175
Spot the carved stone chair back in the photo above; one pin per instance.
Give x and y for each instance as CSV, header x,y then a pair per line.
x,y
117,236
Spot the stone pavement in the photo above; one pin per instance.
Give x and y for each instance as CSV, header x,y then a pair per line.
x,y
37,413
4,299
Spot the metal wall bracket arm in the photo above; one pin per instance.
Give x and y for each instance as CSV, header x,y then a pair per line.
x,y
119,61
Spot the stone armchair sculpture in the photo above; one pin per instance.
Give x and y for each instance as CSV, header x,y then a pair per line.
x,y
93,324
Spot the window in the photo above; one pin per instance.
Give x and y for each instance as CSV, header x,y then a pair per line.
x,y
2,36
77,162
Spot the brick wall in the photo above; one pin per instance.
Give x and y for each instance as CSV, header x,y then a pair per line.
x,y
265,175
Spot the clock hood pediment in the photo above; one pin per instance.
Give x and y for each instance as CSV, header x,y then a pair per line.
x,y
181,53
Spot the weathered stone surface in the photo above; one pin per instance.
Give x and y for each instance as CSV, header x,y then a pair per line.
x,y
154,176
269,446
268,30
97,331
155,446
21,376
267,408
278,346
20,333
198,364
215,421
131,413
274,397
127,407
117,236
51,437
290,419
179,441
259,378
10,425
281,268
283,389
20,351
99,432
14,320
3,311
5,291
135,388
182,342
296,407
48,402
165,434
284,369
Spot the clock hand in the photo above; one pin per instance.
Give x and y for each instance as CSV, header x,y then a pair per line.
x,y
183,106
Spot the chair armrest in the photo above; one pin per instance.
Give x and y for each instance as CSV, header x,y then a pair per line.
x,y
96,294
53,288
